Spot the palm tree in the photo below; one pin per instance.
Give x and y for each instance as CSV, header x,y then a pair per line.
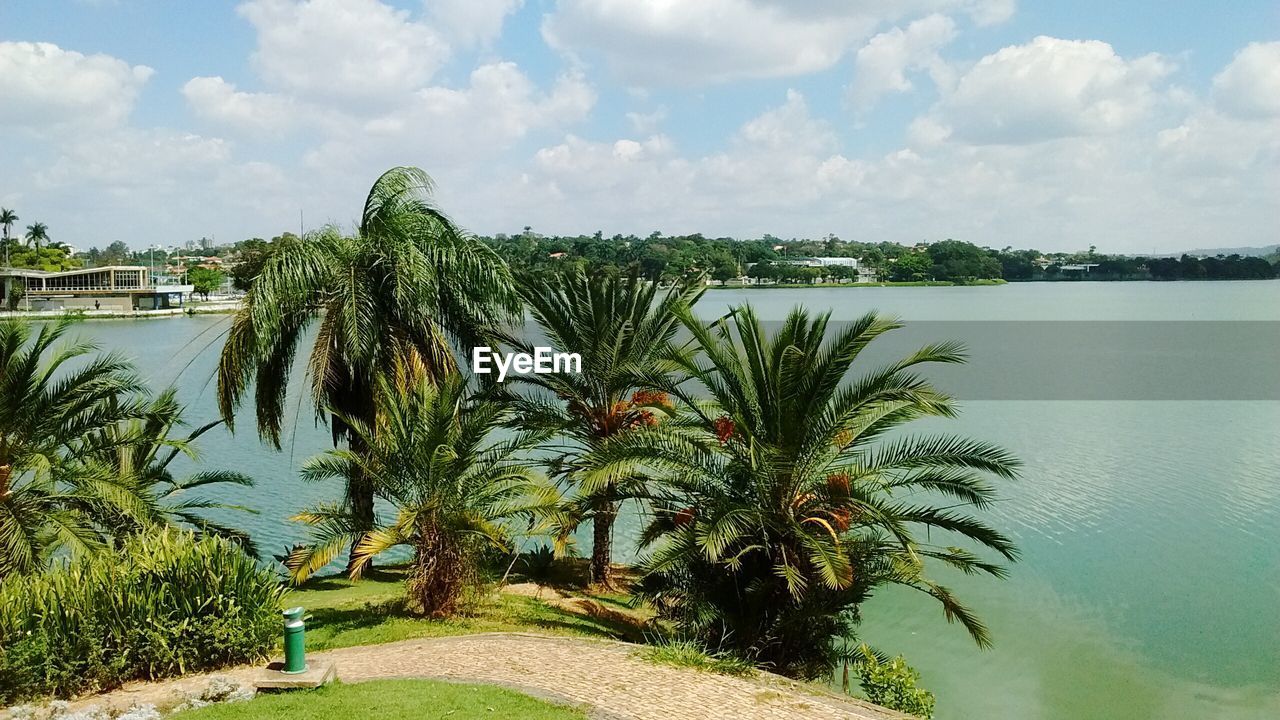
x,y
435,455
51,399
389,302
7,219
137,455
781,504
36,233
621,329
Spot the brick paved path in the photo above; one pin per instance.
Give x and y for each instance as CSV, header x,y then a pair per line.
x,y
602,676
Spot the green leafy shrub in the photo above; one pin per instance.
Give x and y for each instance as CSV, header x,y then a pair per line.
x,y
164,604
892,684
539,562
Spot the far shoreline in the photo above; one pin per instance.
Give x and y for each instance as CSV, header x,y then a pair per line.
x,y
887,283
213,309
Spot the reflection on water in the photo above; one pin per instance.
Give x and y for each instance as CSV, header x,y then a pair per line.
x,y
1150,532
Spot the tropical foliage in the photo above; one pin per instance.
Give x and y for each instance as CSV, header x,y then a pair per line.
x,y
435,454
85,453
37,253
47,405
139,454
893,684
7,219
620,327
782,501
37,233
779,481
388,302
163,604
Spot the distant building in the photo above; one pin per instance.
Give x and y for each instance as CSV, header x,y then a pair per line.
x,y
1078,267
116,287
819,262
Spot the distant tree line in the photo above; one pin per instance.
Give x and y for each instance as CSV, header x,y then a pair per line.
x,y
1231,267
771,259
670,257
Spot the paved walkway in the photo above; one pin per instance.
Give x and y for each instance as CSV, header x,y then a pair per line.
x,y
603,677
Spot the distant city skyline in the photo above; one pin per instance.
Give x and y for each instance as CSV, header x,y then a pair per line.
x,y
1137,127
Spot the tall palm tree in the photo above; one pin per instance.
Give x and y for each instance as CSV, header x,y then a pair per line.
x,y
7,219
53,398
37,233
390,301
437,457
783,505
621,328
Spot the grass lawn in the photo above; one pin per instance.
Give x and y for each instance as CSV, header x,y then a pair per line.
x,y
390,700
343,613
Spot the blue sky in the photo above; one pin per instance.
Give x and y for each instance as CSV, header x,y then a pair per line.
x,y
1134,126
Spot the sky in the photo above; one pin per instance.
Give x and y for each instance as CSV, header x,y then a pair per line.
x,y
1140,126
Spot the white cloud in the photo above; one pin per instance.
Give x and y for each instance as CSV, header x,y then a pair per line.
x,y
1211,149
788,128
157,185
784,172
440,126
662,42
776,167
134,158
370,102
471,22
882,64
219,101
1250,85
369,96
989,12
345,50
1053,143
43,85
1051,88
647,123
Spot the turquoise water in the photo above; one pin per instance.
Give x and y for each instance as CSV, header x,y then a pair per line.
x,y
1149,585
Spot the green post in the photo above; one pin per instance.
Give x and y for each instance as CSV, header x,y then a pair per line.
x,y
295,654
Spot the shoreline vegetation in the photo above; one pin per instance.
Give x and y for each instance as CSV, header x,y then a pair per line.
x,y
783,479
217,306
796,262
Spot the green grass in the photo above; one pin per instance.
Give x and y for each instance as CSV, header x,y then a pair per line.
x,y
390,700
685,654
342,613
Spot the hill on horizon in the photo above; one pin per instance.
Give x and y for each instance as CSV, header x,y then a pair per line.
x,y
1243,251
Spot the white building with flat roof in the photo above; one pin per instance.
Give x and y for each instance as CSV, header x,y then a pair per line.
x,y
120,288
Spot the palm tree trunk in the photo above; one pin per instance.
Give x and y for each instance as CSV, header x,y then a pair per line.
x,y
360,498
606,511
439,572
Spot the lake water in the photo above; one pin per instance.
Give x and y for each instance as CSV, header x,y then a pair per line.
x,y
1149,585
